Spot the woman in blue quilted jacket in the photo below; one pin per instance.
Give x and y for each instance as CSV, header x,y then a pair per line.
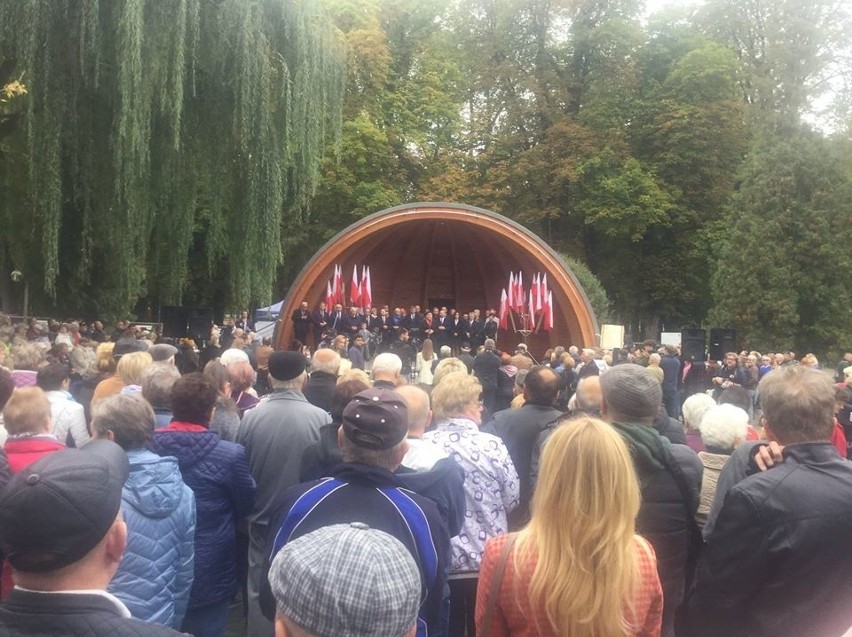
x,y
155,574
218,474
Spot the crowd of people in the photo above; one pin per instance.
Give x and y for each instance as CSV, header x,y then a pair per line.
x,y
445,488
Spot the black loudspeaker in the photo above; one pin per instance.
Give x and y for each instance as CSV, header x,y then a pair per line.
x,y
693,342
174,321
200,320
722,341
179,322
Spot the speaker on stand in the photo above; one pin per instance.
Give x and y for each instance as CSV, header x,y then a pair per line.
x,y
722,341
693,343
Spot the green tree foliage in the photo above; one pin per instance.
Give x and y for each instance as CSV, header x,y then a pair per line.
x,y
162,134
782,273
594,289
792,51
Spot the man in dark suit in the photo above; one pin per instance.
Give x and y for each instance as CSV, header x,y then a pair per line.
x,y
475,330
413,322
319,320
301,323
441,325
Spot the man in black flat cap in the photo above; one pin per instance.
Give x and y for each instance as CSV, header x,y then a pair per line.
x,y
364,489
62,532
275,434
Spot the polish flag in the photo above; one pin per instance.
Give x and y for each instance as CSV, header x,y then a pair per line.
x,y
329,296
510,298
531,308
544,290
519,291
548,312
338,284
366,288
504,310
355,291
536,291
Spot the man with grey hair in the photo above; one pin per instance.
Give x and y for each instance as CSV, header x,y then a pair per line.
x,y
325,366
444,353
669,476
588,366
386,370
776,562
275,435
157,382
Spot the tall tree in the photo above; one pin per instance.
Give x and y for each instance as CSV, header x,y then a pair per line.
x,y
159,129
792,51
781,278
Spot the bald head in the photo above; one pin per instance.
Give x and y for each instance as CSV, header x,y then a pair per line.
x,y
326,360
419,412
541,386
589,395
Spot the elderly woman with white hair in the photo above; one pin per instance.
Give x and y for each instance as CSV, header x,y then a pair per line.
x,y
693,411
723,428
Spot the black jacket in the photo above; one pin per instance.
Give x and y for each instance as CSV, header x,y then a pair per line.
x,y
319,389
5,472
778,561
444,485
360,500
667,519
519,429
485,366
25,614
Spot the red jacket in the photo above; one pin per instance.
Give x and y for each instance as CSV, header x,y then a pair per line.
x,y
838,438
22,452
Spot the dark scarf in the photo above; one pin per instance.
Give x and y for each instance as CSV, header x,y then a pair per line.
x,y
650,450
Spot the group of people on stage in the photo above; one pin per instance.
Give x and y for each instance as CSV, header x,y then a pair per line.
x,y
382,326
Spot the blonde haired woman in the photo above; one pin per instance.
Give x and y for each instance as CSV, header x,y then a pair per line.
x,y
132,366
577,569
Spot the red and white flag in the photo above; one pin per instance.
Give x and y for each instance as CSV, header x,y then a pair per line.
x,y
531,308
337,288
355,290
329,296
535,290
519,292
366,288
510,297
544,290
548,312
504,310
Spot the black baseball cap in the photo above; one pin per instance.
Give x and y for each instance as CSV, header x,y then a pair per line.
x,y
60,507
376,418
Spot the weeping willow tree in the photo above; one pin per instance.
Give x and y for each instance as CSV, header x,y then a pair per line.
x,y
157,132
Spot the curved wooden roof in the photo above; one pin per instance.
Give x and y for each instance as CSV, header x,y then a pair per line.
x,y
450,254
